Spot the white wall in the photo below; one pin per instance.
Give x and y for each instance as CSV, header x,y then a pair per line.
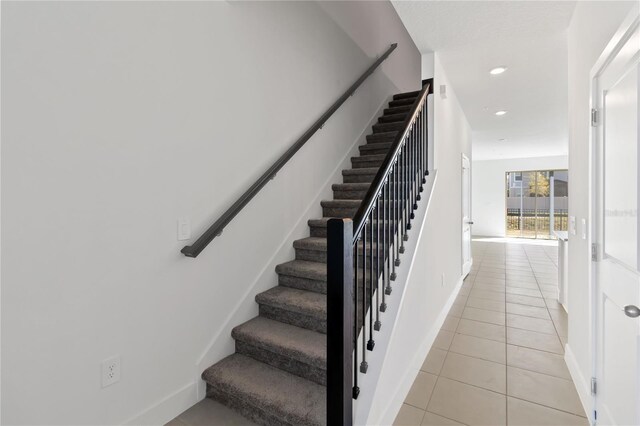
x,y
120,117
438,254
592,26
488,189
427,65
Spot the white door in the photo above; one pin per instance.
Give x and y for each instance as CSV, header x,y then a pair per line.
x,y
466,216
615,91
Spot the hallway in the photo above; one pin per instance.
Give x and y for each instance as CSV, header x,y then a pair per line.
x,y
498,358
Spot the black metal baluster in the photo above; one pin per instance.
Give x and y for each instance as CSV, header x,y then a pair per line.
x,y
422,132
408,182
414,188
414,165
370,342
405,197
378,324
402,195
387,242
426,142
393,220
363,365
418,157
356,389
406,200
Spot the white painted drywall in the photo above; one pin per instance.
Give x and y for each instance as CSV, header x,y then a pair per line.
x,y
488,189
438,252
427,65
592,26
119,118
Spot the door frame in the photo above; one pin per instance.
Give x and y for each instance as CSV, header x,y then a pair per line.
x,y
595,153
466,267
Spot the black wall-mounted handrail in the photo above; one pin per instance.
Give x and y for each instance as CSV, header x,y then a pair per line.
x,y
368,203
216,229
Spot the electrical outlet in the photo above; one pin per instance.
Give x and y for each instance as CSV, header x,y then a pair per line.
x,y
110,371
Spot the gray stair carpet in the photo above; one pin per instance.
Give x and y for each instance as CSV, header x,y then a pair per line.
x,y
277,375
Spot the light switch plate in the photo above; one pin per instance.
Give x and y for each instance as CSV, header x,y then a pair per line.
x,y
184,228
572,225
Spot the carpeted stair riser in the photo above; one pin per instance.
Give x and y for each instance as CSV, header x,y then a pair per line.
x,y
368,161
407,95
294,318
365,175
397,110
347,208
375,148
283,362
381,137
320,256
301,280
266,394
393,118
295,350
316,250
293,306
318,227
388,127
401,102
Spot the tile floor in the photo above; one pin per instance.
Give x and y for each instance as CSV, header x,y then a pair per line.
x,y
498,358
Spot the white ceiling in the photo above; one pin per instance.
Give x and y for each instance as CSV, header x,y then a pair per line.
x,y
530,38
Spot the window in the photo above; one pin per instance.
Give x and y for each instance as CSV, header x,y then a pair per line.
x,y
537,203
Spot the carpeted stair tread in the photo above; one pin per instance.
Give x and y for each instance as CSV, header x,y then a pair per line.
x,y
306,269
368,159
294,300
319,244
303,269
392,118
406,95
318,227
375,148
397,110
382,137
276,394
307,346
362,171
402,102
357,186
388,127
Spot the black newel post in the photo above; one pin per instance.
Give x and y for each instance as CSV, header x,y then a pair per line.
x,y
339,322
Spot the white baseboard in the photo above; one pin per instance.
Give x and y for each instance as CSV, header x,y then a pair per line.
x,y
583,386
413,368
165,410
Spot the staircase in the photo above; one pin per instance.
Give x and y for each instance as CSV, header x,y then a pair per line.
x,y
278,374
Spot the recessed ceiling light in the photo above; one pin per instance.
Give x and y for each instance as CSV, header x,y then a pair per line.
x,y
498,70
501,112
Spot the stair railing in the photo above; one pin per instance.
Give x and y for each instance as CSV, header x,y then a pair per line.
x,y
362,256
216,229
